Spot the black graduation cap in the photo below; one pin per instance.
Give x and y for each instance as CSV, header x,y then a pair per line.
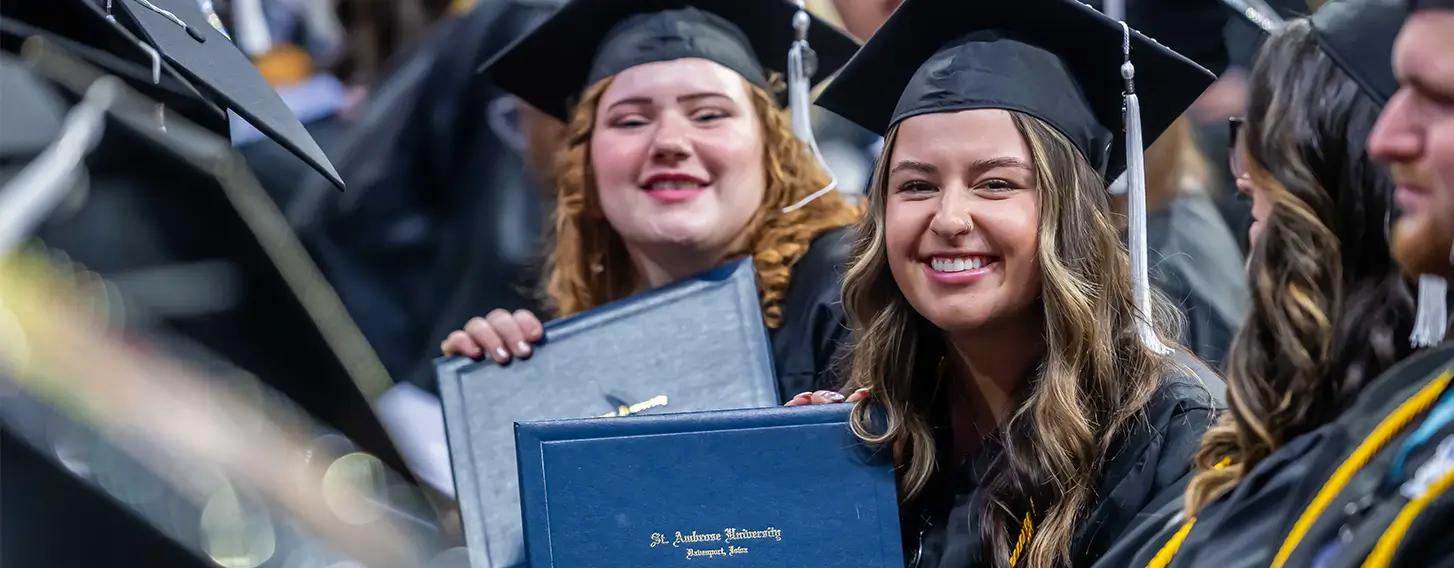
x,y
588,40
201,67
1358,36
1056,60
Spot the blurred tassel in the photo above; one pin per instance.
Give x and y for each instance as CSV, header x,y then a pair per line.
x,y
802,63
1431,321
1136,202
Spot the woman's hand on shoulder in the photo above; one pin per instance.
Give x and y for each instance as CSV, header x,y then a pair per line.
x,y
500,335
826,397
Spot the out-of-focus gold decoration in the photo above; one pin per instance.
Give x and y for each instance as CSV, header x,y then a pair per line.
x,y
59,348
237,533
353,486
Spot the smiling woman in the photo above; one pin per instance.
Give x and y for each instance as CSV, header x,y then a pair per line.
x,y
677,157
990,295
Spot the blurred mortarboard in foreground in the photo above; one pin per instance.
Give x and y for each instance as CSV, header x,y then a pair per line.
x,y
588,40
203,253
1358,36
195,57
1056,60
1109,89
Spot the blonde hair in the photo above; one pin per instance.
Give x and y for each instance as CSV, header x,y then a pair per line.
x,y
588,265
1096,376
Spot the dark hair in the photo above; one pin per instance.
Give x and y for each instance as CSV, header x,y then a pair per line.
x,y
376,30
1330,308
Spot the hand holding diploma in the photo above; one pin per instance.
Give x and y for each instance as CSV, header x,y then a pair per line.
x,y
826,397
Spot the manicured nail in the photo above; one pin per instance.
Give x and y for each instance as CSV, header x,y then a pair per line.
x,y
803,394
502,353
523,347
833,396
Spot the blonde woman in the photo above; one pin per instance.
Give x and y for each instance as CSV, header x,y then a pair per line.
x,y
1031,412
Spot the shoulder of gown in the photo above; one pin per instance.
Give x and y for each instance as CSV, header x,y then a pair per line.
x,y
1249,526
1147,470
1384,421
806,348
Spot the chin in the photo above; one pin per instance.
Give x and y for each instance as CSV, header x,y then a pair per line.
x,y
1419,250
954,315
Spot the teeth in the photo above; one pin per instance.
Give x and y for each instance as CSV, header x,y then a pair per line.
x,y
674,184
956,264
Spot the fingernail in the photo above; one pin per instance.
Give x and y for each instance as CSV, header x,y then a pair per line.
x,y
523,347
861,391
833,396
803,394
502,353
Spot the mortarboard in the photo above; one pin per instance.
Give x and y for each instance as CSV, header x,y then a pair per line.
x,y
208,256
588,40
1056,60
1060,61
197,67
1358,36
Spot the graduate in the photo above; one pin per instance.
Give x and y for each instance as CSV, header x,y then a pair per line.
x,y
1387,503
1028,377
1321,208
678,158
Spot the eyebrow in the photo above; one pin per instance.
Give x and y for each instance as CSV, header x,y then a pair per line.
x,y
913,166
689,97
976,166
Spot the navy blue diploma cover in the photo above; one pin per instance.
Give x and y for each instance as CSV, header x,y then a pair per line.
x,y
785,486
696,345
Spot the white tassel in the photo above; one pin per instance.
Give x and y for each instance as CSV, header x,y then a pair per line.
x,y
1431,320
1136,203
802,63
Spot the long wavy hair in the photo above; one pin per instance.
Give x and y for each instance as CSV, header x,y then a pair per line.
x,y
1330,309
1090,389
588,265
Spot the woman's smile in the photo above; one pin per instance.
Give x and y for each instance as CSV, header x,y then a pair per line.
x,y
960,269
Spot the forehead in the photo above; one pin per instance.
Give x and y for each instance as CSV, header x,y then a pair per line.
x,y
960,136
671,79
1424,53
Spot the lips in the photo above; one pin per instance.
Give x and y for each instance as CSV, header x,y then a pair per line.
x,y
673,182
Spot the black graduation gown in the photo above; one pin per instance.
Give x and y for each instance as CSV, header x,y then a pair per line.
x,y
807,348
1144,471
1367,506
1248,527
1251,511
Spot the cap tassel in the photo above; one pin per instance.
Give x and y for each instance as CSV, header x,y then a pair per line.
x,y
802,63
1431,321
1136,202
